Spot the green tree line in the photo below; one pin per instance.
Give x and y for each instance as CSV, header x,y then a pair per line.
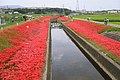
x,y
43,11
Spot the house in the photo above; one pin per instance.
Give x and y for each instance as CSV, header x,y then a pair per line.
x,y
16,12
118,11
112,11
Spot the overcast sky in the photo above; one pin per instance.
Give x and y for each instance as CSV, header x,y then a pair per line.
x,y
87,4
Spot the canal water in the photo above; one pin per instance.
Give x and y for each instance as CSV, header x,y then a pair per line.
x,y
68,62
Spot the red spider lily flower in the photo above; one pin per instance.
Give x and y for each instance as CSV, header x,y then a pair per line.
x,y
90,31
24,58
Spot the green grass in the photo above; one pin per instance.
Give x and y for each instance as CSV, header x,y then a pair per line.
x,y
11,24
118,23
114,18
105,52
4,39
8,17
100,16
4,43
36,16
111,29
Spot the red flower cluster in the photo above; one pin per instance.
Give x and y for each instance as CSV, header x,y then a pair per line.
x,y
25,58
47,18
90,31
64,18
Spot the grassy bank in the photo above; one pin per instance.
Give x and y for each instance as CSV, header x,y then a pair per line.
x,y
111,29
10,23
105,52
118,23
114,18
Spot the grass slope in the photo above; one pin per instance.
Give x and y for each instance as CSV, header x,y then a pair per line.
x,y
114,18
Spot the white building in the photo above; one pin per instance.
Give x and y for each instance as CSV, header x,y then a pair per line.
x,y
113,11
16,12
118,11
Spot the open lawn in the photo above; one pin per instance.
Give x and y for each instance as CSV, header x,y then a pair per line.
x,y
113,18
115,23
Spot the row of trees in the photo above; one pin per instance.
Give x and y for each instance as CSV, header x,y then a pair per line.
x,y
43,11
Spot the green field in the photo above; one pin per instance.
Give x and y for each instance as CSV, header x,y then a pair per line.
x,y
115,23
113,18
8,18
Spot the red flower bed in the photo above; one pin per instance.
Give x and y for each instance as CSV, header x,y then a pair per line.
x,y
47,18
63,18
25,57
90,31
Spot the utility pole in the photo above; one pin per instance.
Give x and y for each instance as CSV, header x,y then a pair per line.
x,y
77,6
44,5
63,10
7,7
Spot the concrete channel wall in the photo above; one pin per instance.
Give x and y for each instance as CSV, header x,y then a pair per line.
x,y
107,67
47,71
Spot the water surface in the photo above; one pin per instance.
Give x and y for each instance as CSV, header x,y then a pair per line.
x,y
68,62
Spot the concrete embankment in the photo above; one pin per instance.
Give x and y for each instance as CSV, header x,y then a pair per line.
x,y
107,67
47,73
68,61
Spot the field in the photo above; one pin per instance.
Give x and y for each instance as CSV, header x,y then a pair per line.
x,y
8,19
113,18
115,23
22,51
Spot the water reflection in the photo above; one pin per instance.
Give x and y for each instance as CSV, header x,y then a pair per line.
x,y
68,62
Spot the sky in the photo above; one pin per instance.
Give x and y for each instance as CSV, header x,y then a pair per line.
x,y
90,5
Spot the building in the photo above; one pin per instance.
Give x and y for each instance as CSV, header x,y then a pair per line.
x,y
83,11
15,12
2,11
118,11
112,11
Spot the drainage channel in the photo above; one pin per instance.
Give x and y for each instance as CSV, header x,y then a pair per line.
x,y
68,62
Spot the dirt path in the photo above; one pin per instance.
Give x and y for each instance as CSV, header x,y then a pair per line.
x,y
112,35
